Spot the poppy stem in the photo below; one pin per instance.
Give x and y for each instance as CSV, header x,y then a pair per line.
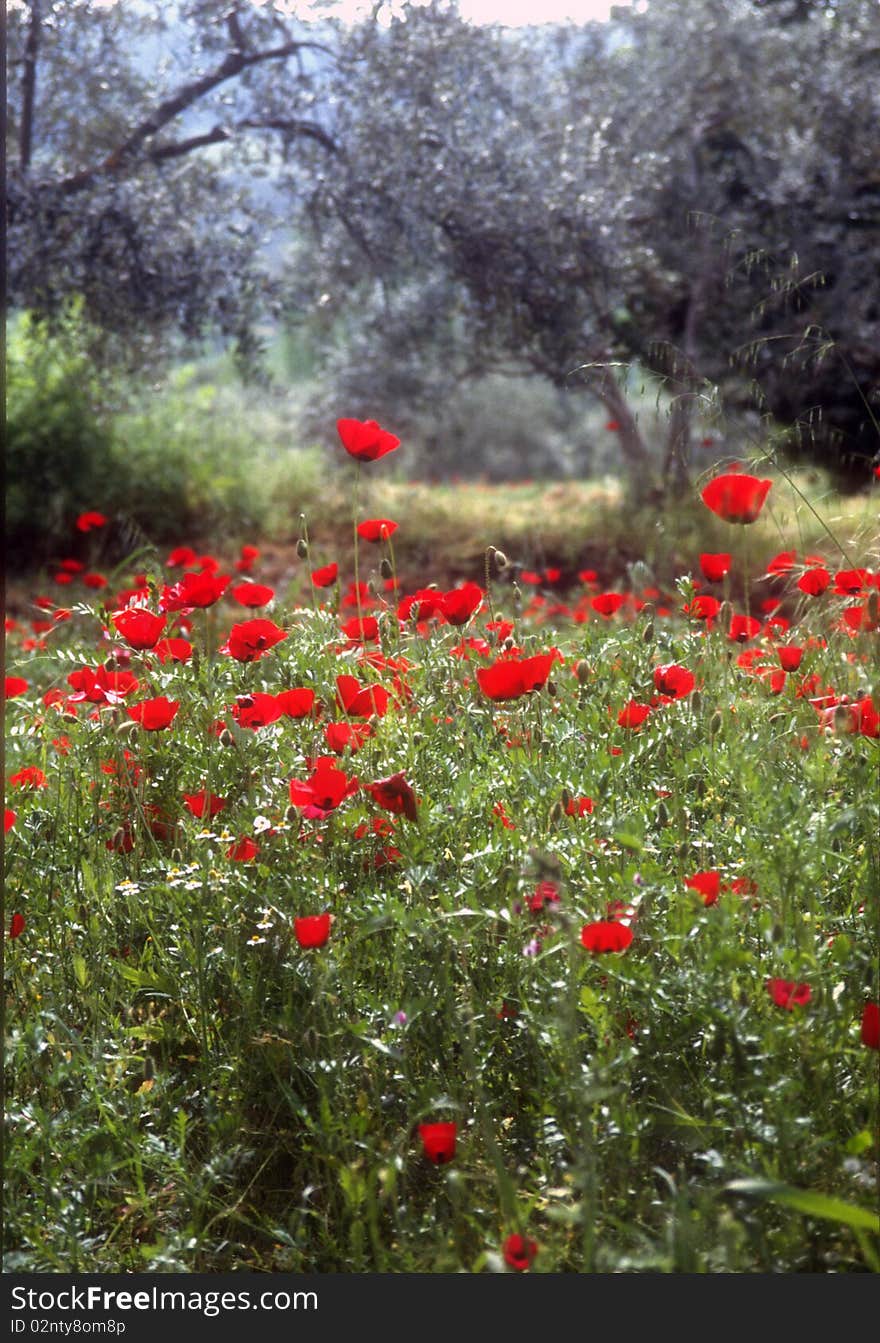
x,y
357,576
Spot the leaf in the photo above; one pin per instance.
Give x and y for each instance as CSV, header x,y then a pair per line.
x,y
808,1202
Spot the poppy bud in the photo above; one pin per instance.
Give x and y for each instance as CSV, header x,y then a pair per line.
x,y
583,671
128,726
662,814
842,718
176,856
226,738
517,596
872,609
648,633
556,814
551,688
291,814
499,559
385,568
725,616
715,723
302,549
565,798
700,788
696,701
508,644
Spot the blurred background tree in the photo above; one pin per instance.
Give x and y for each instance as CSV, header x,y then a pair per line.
x,y
429,207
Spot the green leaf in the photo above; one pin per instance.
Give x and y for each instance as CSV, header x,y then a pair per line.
x,y
808,1202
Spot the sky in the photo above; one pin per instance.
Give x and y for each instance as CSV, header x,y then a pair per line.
x,y
511,12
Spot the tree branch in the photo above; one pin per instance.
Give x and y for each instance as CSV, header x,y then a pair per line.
x,y
29,87
232,65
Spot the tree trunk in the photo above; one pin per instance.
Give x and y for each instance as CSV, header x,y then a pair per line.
x,y
633,449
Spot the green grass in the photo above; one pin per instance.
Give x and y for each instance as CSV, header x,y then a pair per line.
x,y
189,1089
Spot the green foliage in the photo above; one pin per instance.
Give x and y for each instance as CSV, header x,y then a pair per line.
x,y
58,442
190,1090
193,452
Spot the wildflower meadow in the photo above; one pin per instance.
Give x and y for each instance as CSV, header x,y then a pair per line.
x,y
523,924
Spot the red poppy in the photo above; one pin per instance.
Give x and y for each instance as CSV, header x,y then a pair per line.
x,y
579,806
361,701
203,803
468,646
256,710
786,993
376,529
783,562
346,736
438,1141
29,777
252,594
139,627
296,703
870,1031
394,794
708,884
633,715
671,679
607,603
312,930
94,580
361,629
173,650
519,1253
365,440
9,820
703,608
200,590
249,555
86,521
252,639
101,686
326,787
154,714
422,605
789,657
326,577
736,497
545,893
743,628
814,582
244,850
606,935
714,566
183,555
851,582
17,925
459,604
612,426
510,678
15,685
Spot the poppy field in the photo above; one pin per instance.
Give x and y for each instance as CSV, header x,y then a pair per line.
x,y
527,924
